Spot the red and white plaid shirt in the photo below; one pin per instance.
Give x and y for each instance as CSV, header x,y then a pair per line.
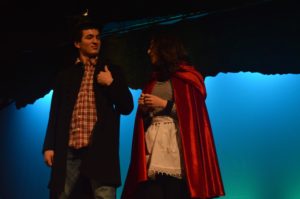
x,y
84,114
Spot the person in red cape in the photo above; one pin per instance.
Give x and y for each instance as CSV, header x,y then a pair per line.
x,y
173,152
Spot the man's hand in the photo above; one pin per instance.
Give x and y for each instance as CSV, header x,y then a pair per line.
x,y
104,77
48,157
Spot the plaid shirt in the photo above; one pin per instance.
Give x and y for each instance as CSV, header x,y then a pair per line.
x,y
84,114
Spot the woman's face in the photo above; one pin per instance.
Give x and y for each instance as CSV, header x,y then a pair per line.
x,y
152,52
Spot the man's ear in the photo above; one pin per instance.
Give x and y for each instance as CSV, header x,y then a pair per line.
x,y
76,44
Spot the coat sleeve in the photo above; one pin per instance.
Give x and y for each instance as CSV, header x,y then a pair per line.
x,y
49,140
119,92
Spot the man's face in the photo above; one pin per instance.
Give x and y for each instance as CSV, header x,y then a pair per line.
x,y
90,43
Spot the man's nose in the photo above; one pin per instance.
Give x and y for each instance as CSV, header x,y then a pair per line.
x,y
96,40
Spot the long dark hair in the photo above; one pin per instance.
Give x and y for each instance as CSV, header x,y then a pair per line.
x,y
170,51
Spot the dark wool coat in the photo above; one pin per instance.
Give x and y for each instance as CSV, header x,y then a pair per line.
x,y
102,159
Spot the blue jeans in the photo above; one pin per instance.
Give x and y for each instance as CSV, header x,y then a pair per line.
x,y
72,176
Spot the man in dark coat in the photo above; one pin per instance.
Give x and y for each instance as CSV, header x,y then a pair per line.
x,y
82,138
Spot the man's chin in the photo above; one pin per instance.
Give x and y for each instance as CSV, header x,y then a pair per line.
x,y
95,54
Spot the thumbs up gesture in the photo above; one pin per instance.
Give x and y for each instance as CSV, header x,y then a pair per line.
x,y
104,77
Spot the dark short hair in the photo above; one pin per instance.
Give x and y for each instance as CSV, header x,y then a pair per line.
x,y
84,24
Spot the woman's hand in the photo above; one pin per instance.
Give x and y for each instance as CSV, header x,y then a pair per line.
x,y
152,101
141,99
142,106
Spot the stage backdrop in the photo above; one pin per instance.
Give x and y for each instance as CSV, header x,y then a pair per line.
x,y
255,119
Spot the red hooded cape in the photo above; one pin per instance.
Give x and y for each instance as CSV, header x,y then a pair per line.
x,y
199,154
